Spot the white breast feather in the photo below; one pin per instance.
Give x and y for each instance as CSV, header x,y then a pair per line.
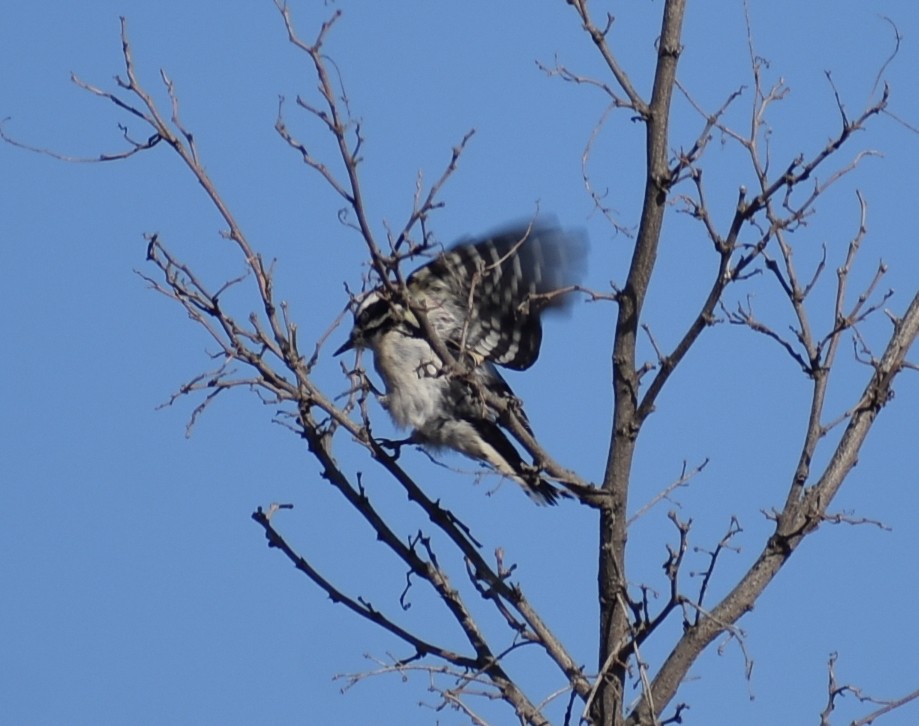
x,y
408,367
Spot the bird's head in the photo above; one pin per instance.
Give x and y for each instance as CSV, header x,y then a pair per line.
x,y
374,316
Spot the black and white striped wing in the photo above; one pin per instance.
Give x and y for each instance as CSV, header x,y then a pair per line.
x,y
486,296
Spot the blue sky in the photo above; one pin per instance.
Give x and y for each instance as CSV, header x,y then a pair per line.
x,y
135,587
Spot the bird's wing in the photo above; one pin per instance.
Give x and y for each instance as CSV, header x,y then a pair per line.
x,y
485,296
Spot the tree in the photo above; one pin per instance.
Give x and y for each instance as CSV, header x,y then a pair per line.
x,y
751,250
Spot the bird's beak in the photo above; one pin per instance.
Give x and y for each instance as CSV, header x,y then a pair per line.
x,y
349,344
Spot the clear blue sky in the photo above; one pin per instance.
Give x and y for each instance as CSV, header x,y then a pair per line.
x,y
133,586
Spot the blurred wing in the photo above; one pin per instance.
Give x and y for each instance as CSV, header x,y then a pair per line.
x,y
489,291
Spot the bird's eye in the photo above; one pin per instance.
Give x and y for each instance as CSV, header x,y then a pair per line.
x,y
377,310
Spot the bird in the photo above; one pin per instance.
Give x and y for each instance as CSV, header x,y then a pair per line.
x,y
483,299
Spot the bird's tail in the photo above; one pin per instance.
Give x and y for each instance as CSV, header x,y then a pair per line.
x,y
496,449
